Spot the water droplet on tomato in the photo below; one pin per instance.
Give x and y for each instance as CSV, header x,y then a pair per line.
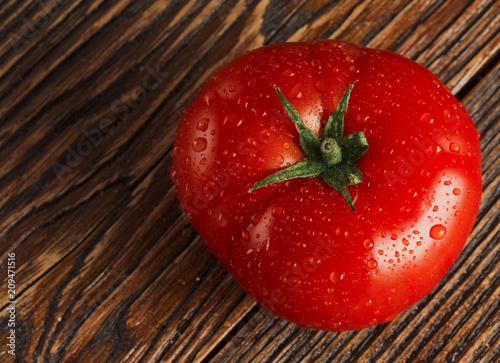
x,y
203,161
454,148
202,124
439,149
380,252
286,145
277,211
316,63
405,242
394,237
336,276
456,191
245,235
335,100
371,263
427,118
447,182
280,159
210,97
368,244
438,231
199,144
222,220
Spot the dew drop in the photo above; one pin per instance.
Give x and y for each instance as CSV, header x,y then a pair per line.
x,y
202,124
371,263
454,148
245,235
336,276
199,144
280,159
277,211
368,243
380,252
394,237
456,191
427,118
448,182
286,145
435,209
316,63
335,100
405,242
222,220
210,97
438,231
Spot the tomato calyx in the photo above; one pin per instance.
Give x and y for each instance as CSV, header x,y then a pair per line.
x,y
333,156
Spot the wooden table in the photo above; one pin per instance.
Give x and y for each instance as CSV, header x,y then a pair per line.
x,y
107,266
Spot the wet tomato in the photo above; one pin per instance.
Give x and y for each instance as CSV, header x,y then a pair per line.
x,y
336,183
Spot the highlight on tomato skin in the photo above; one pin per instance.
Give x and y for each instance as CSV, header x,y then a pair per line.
x,y
338,244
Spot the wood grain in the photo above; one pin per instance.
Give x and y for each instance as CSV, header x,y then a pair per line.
x,y
109,269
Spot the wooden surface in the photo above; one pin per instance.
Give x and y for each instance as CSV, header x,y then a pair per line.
x,y
108,268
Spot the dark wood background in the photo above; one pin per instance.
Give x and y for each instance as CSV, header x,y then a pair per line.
x,y
108,268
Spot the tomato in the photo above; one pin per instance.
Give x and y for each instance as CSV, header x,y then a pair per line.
x,y
319,254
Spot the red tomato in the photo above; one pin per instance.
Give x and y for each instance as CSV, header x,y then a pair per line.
x,y
296,246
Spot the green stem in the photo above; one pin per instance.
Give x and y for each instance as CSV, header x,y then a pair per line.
x,y
333,156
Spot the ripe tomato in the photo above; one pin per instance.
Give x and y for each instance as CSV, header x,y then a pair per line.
x,y
296,246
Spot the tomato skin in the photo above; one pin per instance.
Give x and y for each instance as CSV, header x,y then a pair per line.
x,y
295,246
